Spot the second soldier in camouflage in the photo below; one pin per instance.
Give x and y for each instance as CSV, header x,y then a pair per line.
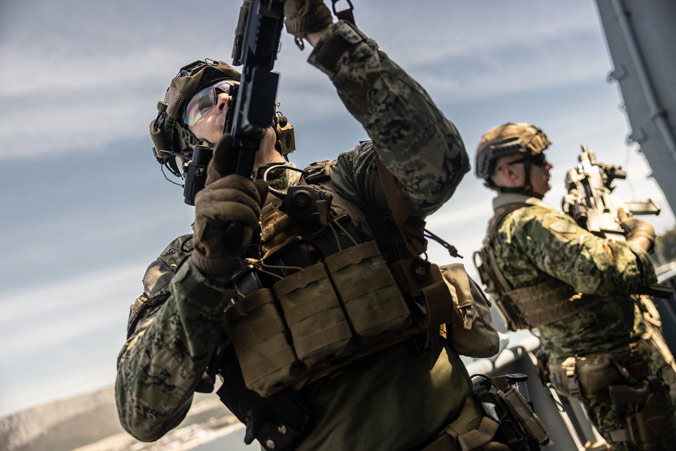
x,y
574,290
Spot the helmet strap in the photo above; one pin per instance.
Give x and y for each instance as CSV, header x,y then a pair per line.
x,y
188,138
526,168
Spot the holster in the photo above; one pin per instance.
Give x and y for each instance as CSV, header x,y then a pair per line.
x,y
496,417
583,377
650,415
470,430
645,400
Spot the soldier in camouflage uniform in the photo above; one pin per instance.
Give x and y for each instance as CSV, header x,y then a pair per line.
x,y
574,290
399,396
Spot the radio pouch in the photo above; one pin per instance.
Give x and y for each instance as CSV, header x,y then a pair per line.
x,y
471,330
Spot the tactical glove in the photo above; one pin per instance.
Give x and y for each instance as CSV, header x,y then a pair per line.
x,y
636,230
306,16
225,200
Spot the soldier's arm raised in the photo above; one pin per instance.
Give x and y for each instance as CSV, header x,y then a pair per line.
x,y
593,265
413,138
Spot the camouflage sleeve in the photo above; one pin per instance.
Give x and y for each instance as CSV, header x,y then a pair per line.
x,y
355,176
173,330
414,140
592,265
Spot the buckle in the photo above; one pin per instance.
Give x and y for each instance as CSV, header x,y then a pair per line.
x,y
571,376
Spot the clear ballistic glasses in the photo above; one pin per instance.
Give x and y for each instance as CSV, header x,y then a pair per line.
x,y
204,100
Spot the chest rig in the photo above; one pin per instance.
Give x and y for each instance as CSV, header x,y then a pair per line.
x,y
331,283
322,293
528,307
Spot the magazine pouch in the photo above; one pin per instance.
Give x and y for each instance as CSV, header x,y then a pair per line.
x,y
261,342
313,313
372,300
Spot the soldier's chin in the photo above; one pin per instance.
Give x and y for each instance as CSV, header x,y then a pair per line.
x,y
220,123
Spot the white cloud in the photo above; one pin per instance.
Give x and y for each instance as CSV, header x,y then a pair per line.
x,y
73,90
71,294
73,126
66,310
79,75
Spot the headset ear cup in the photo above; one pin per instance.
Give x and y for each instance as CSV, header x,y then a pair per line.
x,y
286,139
157,139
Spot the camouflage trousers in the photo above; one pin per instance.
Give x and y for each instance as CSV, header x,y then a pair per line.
x,y
608,415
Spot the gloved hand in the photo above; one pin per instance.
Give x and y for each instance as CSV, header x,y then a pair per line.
x,y
306,16
216,167
637,231
224,200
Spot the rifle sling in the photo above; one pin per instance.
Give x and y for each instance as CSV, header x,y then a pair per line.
x,y
411,227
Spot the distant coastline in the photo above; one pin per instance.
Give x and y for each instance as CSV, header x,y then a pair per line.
x,y
89,422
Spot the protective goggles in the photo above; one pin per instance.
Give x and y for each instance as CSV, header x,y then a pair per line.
x,y
204,100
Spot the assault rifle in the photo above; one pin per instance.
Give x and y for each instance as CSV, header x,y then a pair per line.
x,y
279,420
590,202
255,47
252,107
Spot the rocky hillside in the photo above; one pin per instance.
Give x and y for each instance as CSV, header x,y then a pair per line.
x,y
89,422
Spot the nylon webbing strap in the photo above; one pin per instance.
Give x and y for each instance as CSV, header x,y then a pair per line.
x,y
437,312
493,225
513,318
345,14
495,270
402,211
548,302
536,305
569,365
470,430
479,437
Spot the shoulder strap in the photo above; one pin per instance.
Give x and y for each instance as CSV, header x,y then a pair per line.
x,y
408,229
500,214
317,172
411,227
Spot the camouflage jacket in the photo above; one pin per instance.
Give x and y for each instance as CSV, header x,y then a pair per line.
x,y
535,242
395,398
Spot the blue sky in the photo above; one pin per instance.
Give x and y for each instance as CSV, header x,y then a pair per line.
x,y
86,208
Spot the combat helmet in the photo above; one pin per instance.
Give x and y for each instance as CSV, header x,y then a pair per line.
x,y
508,139
170,135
